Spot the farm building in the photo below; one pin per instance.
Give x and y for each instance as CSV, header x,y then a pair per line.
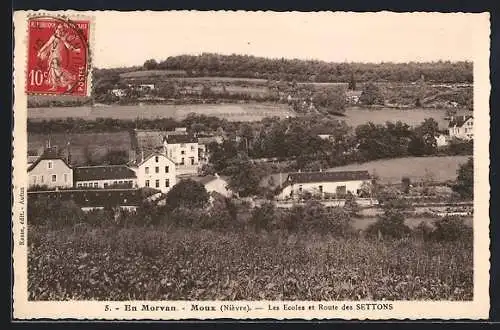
x,y
155,171
461,127
50,170
104,176
324,184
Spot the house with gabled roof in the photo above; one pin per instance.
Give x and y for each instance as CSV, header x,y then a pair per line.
x,y
154,170
324,183
461,127
183,151
51,170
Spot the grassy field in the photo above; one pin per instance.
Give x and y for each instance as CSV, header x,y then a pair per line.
x,y
174,264
416,168
232,112
97,144
392,170
358,116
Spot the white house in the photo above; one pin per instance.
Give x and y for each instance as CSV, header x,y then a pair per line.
x,y
106,176
324,184
442,140
214,183
183,151
155,171
461,127
50,170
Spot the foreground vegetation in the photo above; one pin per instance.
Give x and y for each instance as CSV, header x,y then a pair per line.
x,y
195,249
162,264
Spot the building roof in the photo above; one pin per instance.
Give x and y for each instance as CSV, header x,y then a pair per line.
x,y
93,198
181,138
108,172
307,177
458,121
139,160
48,154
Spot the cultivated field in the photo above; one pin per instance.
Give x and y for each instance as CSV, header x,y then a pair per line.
x,y
363,223
82,145
162,264
231,112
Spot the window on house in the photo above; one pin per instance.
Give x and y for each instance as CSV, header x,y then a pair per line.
x,y
157,169
157,159
192,160
166,169
167,183
320,189
85,184
120,182
183,152
300,188
41,179
54,178
49,164
105,184
182,161
79,185
96,184
147,183
146,170
157,183
65,177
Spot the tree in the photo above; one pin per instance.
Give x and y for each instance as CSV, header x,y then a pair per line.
x,y
465,180
352,82
150,64
331,100
187,193
351,206
115,157
244,178
371,94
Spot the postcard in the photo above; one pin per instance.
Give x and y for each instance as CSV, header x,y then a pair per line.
x,y
177,165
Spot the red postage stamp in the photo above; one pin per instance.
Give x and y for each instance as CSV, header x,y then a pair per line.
x,y
58,56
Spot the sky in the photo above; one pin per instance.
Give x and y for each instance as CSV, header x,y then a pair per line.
x,y
128,38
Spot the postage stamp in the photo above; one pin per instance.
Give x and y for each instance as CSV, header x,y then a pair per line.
x,y
251,165
58,56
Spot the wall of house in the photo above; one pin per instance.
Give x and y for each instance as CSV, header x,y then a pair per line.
x,y
314,188
148,175
105,183
218,185
52,173
185,156
466,131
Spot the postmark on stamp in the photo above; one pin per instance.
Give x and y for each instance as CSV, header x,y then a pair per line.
x,y
58,56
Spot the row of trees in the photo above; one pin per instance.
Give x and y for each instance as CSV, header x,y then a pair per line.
x,y
245,66
187,205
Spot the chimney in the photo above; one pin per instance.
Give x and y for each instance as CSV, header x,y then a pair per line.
x,y
131,155
142,155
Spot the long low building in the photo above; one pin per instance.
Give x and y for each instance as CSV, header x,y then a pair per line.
x,y
94,198
322,184
105,176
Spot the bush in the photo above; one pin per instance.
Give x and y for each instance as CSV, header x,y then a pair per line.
x,y
391,224
452,228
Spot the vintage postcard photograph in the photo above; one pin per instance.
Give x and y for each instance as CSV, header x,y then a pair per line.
x,y
250,165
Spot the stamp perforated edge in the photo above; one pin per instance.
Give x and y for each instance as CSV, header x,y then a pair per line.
x,y
68,16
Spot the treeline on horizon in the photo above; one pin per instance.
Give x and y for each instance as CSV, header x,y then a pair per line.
x,y
247,66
